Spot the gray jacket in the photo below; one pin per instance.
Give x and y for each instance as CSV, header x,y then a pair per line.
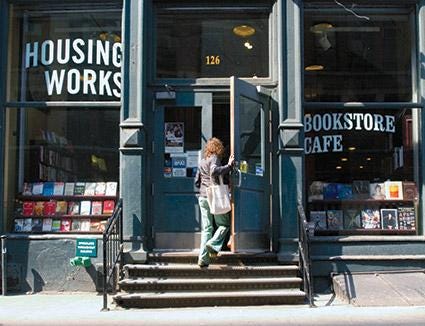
x,y
209,168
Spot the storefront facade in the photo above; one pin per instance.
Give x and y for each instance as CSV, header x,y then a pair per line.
x,y
319,100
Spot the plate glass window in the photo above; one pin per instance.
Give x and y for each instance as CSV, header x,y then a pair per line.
x,y
193,45
362,59
360,163
66,56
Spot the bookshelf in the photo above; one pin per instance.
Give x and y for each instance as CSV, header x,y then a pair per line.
x,y
83,207
359,213
55,161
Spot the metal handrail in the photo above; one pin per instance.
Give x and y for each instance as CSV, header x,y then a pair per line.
x,y
3,265
112,251
304,252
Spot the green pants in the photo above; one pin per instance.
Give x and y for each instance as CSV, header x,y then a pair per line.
x,y
208,237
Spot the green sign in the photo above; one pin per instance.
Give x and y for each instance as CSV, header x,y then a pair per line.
x,y
86,248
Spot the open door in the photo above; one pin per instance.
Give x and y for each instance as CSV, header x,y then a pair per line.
x,y
251,185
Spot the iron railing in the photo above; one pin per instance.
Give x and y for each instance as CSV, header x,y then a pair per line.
x,y
112,252
304,252
3,265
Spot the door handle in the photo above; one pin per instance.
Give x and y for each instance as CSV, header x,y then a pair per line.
x,y
238,175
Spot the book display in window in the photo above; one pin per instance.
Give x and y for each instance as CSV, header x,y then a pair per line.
x,y
319,219
389,206
56,225
18,225
334,219
371,218
393,190
352,219
406,218
56,158
76,210
389,218
47,225
37,225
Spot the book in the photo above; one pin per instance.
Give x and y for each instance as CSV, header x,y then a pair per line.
x,y
334,219
108,206
73,208
393,190
406,218
410,192
58,188
85,207
111,189
90,189
69,189
100,189
361,189
389,219
315,191
48,188
352,219
56,225
18,225
377,191
79,188
49,208
47,224
37,225
61,207
28,208
344,191
27,189
96,208
97,225
65,225
27,225
371,218
85,225
76,225
330,191
37,188
39,208
319,219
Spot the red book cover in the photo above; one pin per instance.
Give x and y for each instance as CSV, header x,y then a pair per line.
x,y
65,225
28,208
108,206
50,208
96,208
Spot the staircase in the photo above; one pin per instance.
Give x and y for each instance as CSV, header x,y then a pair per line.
x,y
173,279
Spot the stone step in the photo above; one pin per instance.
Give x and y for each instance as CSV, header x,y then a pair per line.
x,y
215,270
199,299
208,284
224,257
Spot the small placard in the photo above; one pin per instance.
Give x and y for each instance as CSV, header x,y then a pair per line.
x,y
86,248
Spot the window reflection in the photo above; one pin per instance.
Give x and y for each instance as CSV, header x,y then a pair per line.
x,y
250,136
352,59
72,56
64,144
212,45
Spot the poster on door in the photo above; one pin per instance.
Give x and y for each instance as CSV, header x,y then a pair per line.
x,y
174,137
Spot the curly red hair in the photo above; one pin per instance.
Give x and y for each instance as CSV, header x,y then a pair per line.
x,y
214,146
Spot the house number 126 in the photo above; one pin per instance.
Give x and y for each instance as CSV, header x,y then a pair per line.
x,y
212,60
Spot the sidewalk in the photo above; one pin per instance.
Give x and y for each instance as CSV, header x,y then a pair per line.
x,y
84,309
